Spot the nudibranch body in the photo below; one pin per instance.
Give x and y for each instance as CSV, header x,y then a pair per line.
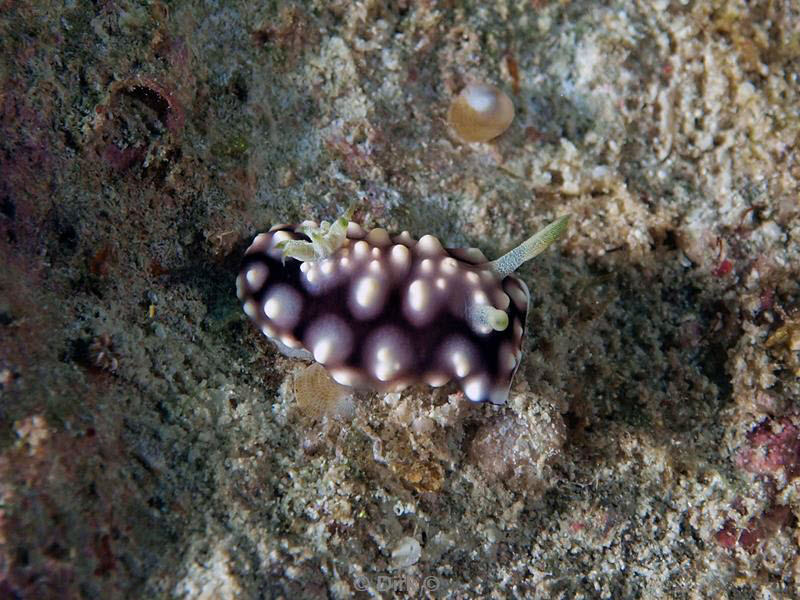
x,y
386,311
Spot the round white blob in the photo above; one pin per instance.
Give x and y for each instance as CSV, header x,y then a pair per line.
x,y
400,260
449,266
272,308
330,339
291,341
475,387
256,275
361,250
319,276
458,356
387,363
262,239
387,353
343,376
261,243
419,295
419,304
366,291
436,379
327,267
426,266
277,238
406,553
400,254
240,287
480,98
429,245
322,350
354,230
460,362
250,309
375,267
283,306
366,297
404,238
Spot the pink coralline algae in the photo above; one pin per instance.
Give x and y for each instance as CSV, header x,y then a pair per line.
x,y
757,529
772,452
728,535
773,445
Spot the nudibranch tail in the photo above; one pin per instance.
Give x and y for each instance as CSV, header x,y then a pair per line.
x,y
533,246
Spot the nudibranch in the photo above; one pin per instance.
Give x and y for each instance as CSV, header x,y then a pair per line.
x,y
386,311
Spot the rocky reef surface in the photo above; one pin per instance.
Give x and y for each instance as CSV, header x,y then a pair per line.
x,y
154,444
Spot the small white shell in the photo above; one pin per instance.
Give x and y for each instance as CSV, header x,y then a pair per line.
x,y
480,113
